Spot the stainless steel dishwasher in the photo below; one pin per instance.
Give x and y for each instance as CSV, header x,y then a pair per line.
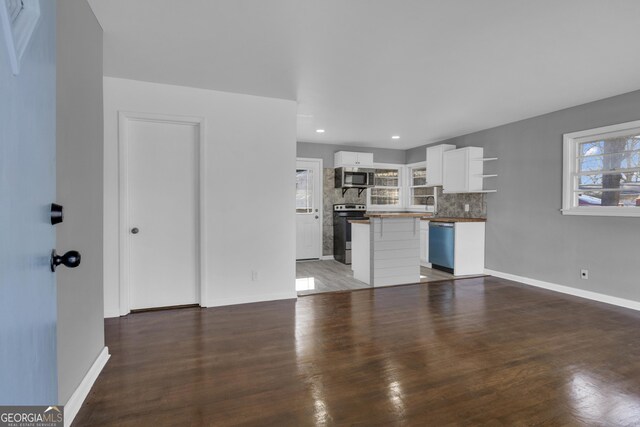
x,y
442,245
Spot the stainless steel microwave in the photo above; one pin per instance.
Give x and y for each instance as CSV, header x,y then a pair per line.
x,y
354,177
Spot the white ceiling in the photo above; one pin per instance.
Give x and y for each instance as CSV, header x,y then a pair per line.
x,y
365,70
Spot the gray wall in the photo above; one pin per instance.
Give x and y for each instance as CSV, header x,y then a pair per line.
x,y
418,154
526,233
326,152
79,175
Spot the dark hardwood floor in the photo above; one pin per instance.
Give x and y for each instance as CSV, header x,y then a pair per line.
x,y
481,351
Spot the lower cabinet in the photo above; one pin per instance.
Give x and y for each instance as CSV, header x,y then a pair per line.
x,y
456,247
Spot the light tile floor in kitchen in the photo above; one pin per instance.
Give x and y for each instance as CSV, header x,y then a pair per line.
x,y
315,277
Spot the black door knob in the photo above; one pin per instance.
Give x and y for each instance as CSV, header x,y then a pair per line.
x,y
135,230
70,259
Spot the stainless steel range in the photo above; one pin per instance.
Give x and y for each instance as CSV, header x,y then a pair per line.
x,y
342,229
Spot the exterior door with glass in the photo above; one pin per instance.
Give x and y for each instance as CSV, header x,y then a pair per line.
x,y
308,209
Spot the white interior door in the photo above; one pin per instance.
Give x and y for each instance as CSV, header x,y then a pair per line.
x,y
163,200
308,214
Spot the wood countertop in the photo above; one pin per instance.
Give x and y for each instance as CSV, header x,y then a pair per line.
x,y
395,214
436,219
413,215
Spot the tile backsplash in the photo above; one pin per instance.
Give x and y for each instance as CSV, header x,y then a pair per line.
x,y
452,205
331,197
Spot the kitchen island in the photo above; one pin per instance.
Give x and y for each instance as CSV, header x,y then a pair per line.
x,y
386,248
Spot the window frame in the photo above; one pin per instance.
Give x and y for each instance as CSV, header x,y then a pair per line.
x,y
401,189
571,142
409,185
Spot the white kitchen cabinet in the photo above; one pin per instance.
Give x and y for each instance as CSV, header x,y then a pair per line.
x,y
350,158
469,248
434,163
424,243
462,170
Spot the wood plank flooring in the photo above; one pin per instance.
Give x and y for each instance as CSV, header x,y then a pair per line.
x,y
482,351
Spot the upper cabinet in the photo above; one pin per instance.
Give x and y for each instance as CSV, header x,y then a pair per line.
x,y
435,156
463,171
350,158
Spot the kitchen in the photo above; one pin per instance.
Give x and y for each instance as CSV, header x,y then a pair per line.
x,y
389,222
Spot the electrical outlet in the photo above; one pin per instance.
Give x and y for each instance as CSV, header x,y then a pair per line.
x,y
584,274
466,207
254,275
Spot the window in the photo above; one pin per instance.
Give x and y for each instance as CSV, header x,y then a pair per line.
x,y
18,19
421,196
602,171
386,190
304,191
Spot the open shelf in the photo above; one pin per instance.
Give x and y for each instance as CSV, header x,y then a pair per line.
x,y
488,176
486,159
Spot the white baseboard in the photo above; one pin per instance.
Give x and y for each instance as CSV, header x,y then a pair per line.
x,y
251,298
76,400
595,296
327,258
229,301
109,314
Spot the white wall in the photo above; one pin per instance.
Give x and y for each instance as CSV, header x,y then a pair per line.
x,y
250,200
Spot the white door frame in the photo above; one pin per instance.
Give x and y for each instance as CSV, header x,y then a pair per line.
x,y
321,208
124,118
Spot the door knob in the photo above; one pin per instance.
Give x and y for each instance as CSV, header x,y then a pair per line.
x,y
70,259
135,230
317,217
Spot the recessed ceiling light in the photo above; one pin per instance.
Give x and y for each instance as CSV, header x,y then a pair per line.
x,y
395,137
320,130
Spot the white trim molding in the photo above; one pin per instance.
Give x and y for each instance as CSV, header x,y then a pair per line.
x,y
581,293
123,118
76,400
327,258
221,302
108,314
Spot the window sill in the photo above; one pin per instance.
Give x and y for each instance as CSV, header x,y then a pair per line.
x,y
420,209
613,211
